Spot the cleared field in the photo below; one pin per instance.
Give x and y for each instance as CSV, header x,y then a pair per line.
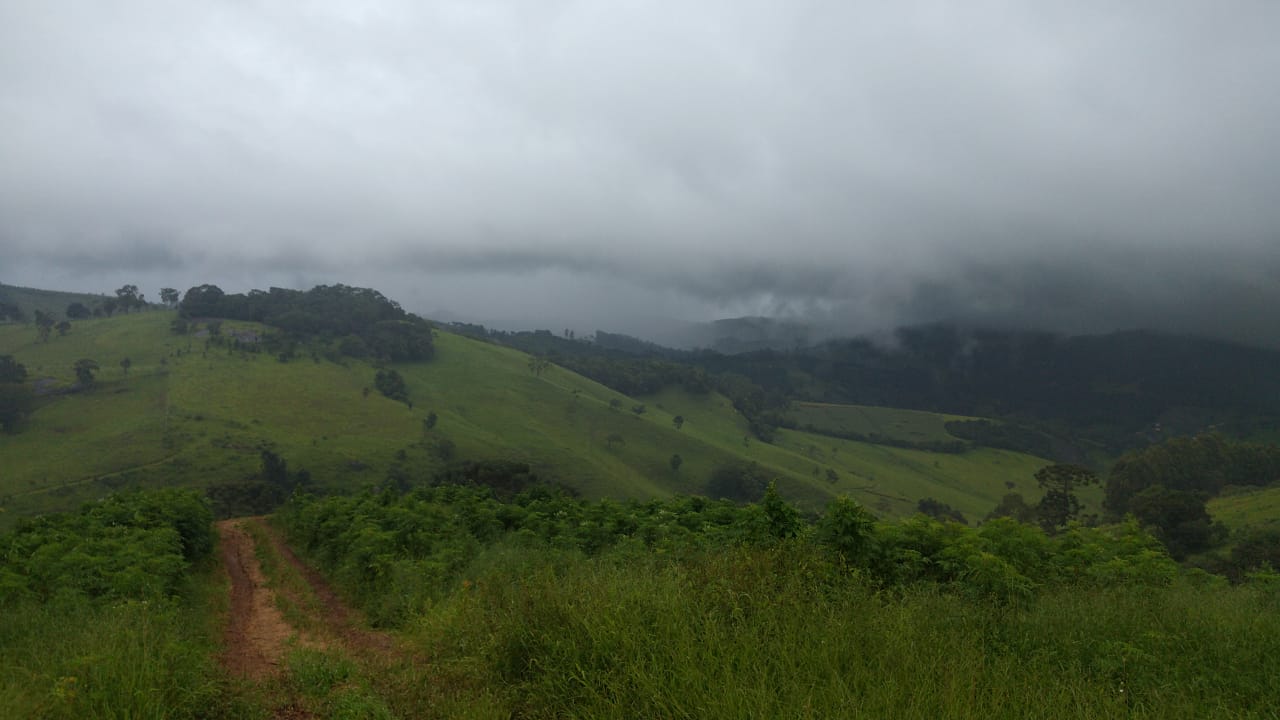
x,y
875,422
190,413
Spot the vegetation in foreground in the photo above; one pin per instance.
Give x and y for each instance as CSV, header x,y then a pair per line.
x,y
113,612
550,606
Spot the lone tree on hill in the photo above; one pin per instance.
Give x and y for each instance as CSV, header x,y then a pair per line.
x,y
64,327
678,421
126,364
676,462
129,297
84,369
391,384
110,305
538,364
169,296
44,325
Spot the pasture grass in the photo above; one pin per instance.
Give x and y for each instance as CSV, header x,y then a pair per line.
x,y
191,412
869,420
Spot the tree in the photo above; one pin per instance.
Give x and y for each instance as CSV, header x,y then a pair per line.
x,y
614,438
1060,505
126,364
638,409
739,481
16,402
391,384
204,301
678,421
128,297
44,325
11,371
676,462
169,296
78,311
939,510
537,364
10,311
848,528
16,399
1177,517
431,420
109,306
1013,506
84,369
64,327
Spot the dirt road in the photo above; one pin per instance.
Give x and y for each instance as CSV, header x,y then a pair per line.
x,y
256,634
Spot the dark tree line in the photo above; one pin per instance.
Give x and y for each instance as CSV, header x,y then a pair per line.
x,y
362,322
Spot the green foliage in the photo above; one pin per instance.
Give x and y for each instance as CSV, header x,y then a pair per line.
x,y
1204,463
16,402
1014,507
740,481
84,370
391,384
939,510
551,606
134,546
11,371
849,529
1060,504
1177,517
328,312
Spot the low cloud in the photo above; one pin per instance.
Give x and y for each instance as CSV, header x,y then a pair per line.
x,y
1082,168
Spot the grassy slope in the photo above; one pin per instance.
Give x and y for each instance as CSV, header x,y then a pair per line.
x,y
1247,508
202,417
54,302
867,420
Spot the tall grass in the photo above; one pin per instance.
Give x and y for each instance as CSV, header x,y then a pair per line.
x,y
779,633
130,659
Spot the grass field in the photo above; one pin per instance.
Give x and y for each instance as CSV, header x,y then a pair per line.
x,y
1247,508
54,302
871,421
189,414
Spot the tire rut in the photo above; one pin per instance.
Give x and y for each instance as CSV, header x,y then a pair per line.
x,y
256,634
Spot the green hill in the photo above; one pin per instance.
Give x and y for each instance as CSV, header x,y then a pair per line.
x,y
53,302
894,424
189,412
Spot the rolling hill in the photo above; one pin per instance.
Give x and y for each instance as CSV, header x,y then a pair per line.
x,y
191,412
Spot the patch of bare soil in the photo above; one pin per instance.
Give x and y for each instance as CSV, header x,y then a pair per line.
x,y
256,634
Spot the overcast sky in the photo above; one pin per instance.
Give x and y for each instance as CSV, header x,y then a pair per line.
x,y
1078,166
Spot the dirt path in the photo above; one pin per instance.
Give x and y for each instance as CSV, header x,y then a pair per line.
x,y
339,621
256,633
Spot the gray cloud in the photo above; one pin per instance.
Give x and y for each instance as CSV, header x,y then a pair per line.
x,y
1082,167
